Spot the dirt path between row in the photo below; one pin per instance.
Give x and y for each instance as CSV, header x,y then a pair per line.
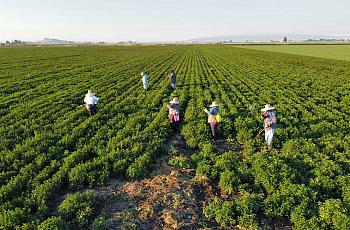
x,y
170,198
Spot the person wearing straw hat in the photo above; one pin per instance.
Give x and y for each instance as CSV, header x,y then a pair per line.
x,y
214,118
144,80
172,77
174,116
91,102
270,123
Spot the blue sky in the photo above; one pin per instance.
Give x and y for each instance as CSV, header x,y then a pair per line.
x,y
168,20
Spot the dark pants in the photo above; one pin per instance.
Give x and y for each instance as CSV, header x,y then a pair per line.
x,y
175,125
214,129
92,109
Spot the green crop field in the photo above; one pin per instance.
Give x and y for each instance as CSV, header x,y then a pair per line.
x,y
338,52
55,158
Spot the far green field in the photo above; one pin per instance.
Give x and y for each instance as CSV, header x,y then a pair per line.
x,y
339,52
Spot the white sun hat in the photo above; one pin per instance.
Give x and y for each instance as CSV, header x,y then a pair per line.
x,y
267,108
174,101
213,104
90,93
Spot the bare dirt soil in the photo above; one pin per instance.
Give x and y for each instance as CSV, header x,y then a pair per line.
x,y
170,198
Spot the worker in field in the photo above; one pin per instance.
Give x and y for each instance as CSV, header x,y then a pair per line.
x,y
214,118
91,102
270,123
172,77
144,79
174,115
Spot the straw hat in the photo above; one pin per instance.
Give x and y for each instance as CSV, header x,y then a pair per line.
x,y
174,101
142,73
213,104
90,93
267,108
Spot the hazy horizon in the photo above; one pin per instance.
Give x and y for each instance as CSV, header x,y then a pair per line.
x,y
164,20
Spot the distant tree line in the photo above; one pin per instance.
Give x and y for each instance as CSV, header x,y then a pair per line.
x,y
14,42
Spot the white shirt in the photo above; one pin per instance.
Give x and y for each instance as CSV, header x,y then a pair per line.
x,y
145,79
91,100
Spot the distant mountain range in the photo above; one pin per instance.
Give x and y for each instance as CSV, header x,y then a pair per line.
x,y
52,41
225,38
45,41
266,37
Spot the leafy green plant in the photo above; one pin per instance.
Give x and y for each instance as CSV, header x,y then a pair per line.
x,y
229,182
79,208
223,212
101,223
52,223
334,214
181,162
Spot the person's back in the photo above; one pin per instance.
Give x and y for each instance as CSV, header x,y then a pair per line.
x,y
174,116
214,110
90,101
213,118
270,123
173,108
172,79
271,119
144,80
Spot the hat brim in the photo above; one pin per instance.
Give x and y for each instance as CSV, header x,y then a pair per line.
x,y
267,109
213,105
90,94
174,102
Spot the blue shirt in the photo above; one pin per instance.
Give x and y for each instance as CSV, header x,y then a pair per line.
x,y
271,116
214,110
